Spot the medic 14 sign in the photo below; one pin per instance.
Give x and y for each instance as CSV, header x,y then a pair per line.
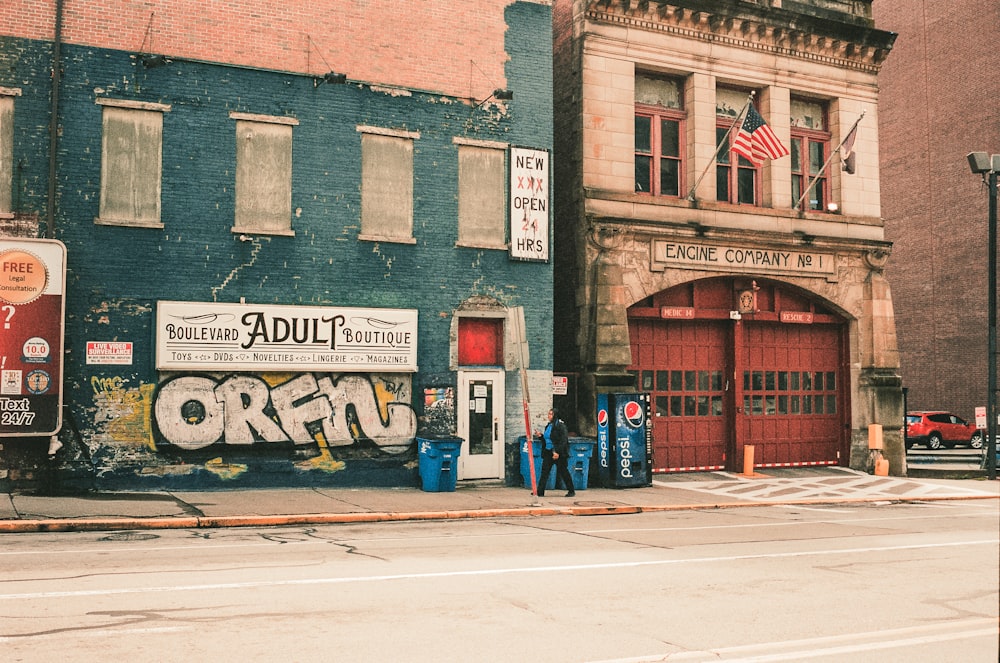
x,y
529,204
32,285
264,337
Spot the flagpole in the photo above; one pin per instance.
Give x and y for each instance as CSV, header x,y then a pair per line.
x,y
816,177
722,143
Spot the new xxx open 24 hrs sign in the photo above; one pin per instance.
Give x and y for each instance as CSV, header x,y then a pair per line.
x,y
32,287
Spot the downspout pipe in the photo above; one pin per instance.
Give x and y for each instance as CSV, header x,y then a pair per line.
x,y
54,122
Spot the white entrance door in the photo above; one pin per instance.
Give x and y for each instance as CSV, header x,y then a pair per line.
x,y
480,424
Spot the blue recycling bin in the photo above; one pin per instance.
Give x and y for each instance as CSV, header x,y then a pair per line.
x,y
536,448
580,451
438,460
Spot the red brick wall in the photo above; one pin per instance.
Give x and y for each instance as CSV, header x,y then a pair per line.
x,y
939,100
456,48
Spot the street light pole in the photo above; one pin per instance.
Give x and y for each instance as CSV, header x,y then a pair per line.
x,y
991,404
989,167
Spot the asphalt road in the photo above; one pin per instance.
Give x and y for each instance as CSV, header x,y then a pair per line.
x,y
888,582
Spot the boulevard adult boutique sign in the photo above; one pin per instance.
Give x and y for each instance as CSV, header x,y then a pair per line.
x,y
261,337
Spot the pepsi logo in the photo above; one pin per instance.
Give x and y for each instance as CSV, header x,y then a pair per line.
x,y
602,417
634,414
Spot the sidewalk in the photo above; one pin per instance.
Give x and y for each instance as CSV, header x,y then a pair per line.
x,y
181,509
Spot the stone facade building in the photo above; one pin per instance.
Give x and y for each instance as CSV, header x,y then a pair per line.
x,y
752,319
288,254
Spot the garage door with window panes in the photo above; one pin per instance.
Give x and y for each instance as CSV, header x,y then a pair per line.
x,y
790,401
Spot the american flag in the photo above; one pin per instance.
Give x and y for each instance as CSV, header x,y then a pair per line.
x,y
755,140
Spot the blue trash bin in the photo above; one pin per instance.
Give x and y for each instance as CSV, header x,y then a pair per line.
x,y
536,449
580,451
438,460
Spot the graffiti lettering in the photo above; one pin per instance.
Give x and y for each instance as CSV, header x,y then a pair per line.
x,y
193,412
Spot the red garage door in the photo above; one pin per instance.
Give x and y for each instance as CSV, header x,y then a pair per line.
x,y
682,365
791,394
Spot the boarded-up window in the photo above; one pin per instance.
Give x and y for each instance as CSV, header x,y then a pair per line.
x,y
6,151
481,204
263,174
386,186
131,163
480,341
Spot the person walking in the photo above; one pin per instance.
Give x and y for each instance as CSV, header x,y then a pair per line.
x,y
555,451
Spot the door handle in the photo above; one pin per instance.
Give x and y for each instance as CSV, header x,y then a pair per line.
x,y
496,431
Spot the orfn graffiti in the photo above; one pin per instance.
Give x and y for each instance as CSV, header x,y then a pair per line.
x,y
193,412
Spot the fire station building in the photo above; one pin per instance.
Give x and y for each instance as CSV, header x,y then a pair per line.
x,y
747,298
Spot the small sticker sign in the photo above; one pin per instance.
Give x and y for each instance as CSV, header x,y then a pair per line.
x,y
109,352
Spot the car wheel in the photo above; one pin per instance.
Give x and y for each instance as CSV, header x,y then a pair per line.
x,y
977,441
934,441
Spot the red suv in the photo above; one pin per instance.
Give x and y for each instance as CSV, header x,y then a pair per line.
x,y
941,429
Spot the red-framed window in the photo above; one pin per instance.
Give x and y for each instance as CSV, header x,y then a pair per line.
x,y
810,149
737,180
659,146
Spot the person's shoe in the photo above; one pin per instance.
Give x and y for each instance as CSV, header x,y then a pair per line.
x,y
541,493
571,493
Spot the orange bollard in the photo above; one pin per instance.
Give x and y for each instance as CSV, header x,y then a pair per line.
x,y
748,460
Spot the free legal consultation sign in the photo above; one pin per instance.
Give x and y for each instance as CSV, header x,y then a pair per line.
x,y
32,305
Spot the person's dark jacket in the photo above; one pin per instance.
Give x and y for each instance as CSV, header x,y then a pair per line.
x,y
560,438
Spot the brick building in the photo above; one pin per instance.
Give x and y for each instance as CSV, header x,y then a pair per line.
x,y
752,308
941,100
297,238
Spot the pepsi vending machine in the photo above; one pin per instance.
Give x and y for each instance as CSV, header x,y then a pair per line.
x,y
624,440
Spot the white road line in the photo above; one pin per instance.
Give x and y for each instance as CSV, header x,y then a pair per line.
x,y
910,636
484,572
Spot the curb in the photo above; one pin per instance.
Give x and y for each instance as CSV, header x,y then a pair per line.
x,y
212,522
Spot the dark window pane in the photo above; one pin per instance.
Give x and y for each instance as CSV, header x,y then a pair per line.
x,y
783,381
831,381
647,380
643,174
643,127
670,145
676,383
716,380
746,380
807,405
758,404
662,406
716,406
746,187
722,183
703,406
769,378
795,405
818,403
758,380
689,381
796,151
769,405
818,384
816,157
690,406
669,177
806,381
746,405
702,380
782,404
675,406
720,135
831,405
795,380
662,380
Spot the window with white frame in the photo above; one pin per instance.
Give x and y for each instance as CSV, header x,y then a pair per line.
x,y
387,184
659,131
810,149
737,180
263,174
7,149
482,173
131,162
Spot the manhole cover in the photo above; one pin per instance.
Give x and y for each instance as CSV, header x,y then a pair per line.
x,y
130,536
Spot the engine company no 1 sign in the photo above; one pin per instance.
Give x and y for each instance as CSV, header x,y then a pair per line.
x,y
32,288
264,337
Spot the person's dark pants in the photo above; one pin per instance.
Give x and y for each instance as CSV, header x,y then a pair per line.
x,y
562,472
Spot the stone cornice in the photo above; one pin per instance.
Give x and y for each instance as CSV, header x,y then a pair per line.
x,y
770,30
